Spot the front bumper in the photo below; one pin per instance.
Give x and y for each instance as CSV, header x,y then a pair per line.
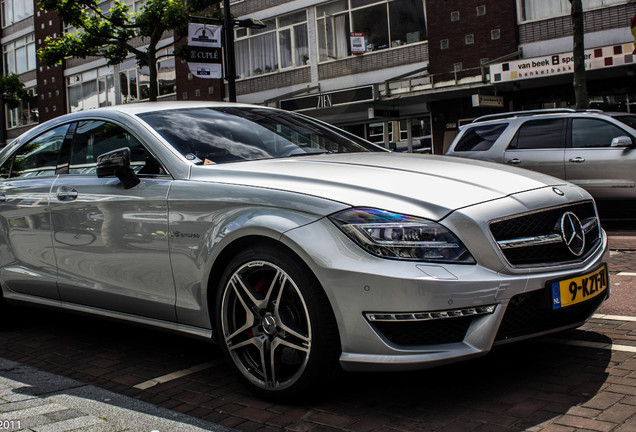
x,y
357,284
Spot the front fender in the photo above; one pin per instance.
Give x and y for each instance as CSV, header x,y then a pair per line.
x,y
206,218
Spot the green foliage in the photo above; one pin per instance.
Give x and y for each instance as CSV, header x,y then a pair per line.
x,y
114,34
12,90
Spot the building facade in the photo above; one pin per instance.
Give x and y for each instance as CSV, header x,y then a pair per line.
x,y
402,73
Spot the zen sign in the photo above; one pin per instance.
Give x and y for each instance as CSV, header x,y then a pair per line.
x,y
328,100
204,51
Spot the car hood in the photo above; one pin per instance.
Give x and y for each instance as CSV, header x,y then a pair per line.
x,y
423,185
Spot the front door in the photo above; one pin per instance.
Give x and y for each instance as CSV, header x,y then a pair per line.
x,y
592,163
110,242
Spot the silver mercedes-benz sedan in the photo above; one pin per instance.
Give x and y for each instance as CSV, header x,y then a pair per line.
x,y
298,247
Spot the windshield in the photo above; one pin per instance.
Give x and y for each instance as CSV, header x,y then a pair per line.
x,y
208,136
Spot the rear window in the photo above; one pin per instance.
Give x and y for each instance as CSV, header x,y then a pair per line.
x,y
480,138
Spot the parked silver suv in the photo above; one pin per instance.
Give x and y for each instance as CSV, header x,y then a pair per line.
x,y
592,149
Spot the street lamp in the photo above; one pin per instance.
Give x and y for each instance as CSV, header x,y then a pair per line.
x,y
228,24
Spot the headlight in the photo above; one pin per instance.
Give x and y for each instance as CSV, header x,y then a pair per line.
x,y
391,235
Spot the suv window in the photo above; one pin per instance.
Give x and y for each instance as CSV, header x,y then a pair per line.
x,y
594,133
37,157
539,134
480,138
629,120
93,138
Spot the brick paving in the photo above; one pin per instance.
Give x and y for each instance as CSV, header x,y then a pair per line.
x,y
540,385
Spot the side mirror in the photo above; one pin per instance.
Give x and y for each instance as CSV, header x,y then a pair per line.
x,y
622,141
116,163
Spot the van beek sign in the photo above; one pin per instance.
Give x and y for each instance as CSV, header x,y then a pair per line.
x,y
204,51
538,67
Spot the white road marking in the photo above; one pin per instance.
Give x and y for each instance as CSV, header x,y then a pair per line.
x,y
625,274
615,317
179,374
597,345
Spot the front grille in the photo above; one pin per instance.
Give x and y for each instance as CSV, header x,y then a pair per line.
x,y
542,228
416,333
531,313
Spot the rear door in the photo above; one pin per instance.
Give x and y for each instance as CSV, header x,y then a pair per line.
x,y
539,145
27,259
592,163
111,243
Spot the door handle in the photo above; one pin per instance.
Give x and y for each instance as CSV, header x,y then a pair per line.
x,y
66,193
577,159
515,161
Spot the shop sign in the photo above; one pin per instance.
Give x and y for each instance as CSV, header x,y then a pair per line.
x,y
487,101
329,99
557,64
204,53
358,45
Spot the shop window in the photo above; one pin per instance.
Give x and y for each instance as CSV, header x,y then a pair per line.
x,y
384,24
282,44
375,132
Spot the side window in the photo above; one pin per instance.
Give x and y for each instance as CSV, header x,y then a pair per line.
x,y
539,134
93,138
37,157
594,133
480,138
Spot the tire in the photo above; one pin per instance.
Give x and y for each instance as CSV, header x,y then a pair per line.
x,y
275,325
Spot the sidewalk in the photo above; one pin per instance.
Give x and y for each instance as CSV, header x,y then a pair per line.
x,y
33,400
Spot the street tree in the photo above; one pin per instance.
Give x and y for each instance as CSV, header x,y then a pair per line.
x,y
578,50
12,93
117,33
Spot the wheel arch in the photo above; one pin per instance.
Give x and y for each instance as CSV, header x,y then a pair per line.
x,y
233,248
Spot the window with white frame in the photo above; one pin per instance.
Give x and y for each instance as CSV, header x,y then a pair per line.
x,y
15,10
282,44
134,82
25,114
540,9
384,23
19,55
135,5
91,89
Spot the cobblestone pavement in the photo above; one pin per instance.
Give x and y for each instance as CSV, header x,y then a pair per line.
x,y
580,380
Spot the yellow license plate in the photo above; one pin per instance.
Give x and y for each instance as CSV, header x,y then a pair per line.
x,y
579,289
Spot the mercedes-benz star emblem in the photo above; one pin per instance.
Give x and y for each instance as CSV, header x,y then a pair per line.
x,y
572,233
558,191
